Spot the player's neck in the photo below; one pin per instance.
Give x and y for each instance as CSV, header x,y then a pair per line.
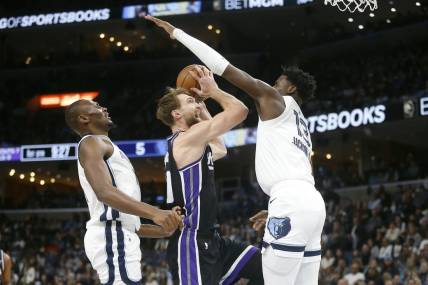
x,y
179,127
94,132
297,99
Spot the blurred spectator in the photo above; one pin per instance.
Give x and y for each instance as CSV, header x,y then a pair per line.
x,y
355,274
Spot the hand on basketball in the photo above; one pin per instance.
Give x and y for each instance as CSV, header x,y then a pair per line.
x,y
259,220
163,24
206,80
168,220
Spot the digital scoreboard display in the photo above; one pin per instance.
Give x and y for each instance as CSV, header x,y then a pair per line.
x,y
48,152
54,152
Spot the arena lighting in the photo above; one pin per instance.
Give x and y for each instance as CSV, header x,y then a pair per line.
x,y
102,36
62,100
32,174
312,153
119,44
418,4
393,10
360,27
28,60
328,156
210,27
52,180
143,37
371,15
388,21
21,176
42,182
125,48
350,20
218,31
32,179
12,172
111,39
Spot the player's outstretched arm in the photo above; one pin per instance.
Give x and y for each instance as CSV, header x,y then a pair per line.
x,y
268,100
92,152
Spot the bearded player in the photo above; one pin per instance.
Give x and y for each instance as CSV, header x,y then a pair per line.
x,y
296,210
198,254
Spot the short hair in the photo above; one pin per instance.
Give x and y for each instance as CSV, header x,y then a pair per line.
x,y
72,113
305,83
169,102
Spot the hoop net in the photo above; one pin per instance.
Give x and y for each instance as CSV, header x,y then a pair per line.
x,y
353,5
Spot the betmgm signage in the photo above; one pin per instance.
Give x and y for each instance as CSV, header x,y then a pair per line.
x,y
55,18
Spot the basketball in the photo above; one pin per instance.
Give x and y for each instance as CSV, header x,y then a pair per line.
x,y
185,79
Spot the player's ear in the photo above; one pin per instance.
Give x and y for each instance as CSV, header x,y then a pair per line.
x,y
291,89
176,114
83,119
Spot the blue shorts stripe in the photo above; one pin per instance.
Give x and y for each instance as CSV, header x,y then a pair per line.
x,y
109,251
121,256
283,247
312,253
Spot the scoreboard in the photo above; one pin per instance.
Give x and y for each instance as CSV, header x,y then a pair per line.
x,y
54,152
48,152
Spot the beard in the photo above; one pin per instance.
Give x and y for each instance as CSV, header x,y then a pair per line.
x,y
192,120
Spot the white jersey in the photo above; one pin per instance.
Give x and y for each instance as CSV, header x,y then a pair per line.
x,y
123,178
283,149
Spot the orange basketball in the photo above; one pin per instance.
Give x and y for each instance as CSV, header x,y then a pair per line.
x,y
185,79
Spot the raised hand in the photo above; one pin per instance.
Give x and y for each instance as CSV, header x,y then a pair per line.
x,y
206,81
163,24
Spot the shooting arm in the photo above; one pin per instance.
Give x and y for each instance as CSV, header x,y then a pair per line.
x,y
217,144
269,102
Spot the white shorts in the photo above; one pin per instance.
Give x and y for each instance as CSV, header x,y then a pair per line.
x,y
296,215
114,252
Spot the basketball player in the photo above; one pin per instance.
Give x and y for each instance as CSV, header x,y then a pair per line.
x,y
296,210
113,195
198,254
5,268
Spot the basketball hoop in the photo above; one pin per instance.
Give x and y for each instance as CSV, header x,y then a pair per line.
x,y
352,5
